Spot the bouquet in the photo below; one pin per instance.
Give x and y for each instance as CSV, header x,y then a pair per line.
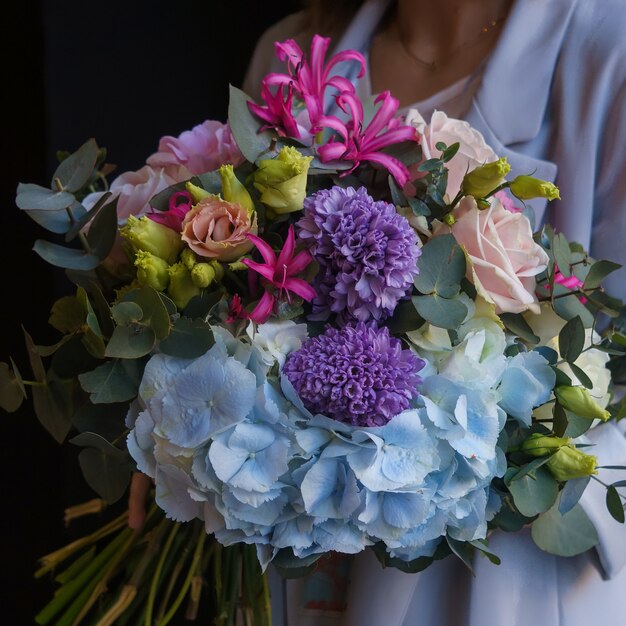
x,y
315,329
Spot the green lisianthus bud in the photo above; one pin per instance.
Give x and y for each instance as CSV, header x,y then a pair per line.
x,y
542,445
152,270
147,235
197,193
188,257
569,462
218,269
528,187
202,275
484,179
233,190
282,181
237,266
578,400
181,288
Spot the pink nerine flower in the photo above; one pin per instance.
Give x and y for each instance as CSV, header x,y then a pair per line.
x,y
202,149
179,204
309,79
278,274
366,144
504,259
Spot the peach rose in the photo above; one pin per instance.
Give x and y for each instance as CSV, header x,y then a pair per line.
x,y
473,150
503,256
218,229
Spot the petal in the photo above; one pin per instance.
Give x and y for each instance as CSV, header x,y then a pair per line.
x,y
301,288
264,248
266,271
263,309
331,151
299,262
286,254
382,116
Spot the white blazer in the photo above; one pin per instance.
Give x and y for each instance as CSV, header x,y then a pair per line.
x,y
553,100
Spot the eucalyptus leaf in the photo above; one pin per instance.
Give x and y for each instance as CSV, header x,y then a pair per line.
x,y
73,357
107,420
75,171
482,548
103,230
584,380
67,315
114,381
245,126
54,406
607,304
58,222
576,425
463,550
131,342
439,311
534,493
572,339
614,504
571,493
126,313
69,258
442,267
408,567
291,566
598,272
562,254
188,339
564,535
11,392
209,181
529,467
155,315
404,319
516,324
83,217
107,475
31,197
569,306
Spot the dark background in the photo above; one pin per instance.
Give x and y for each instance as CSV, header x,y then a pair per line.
x,y
125,73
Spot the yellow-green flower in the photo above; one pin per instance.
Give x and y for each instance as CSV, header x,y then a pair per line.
x,y
197,193
484,179
569,462
152,270
181,288
147,235
233,190
202,275
541,445
282,181
528,187
578,400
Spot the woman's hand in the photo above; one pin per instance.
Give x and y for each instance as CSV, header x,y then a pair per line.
x,y
140,485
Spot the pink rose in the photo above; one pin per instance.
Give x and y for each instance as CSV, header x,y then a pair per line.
x,y
504,258
473,150
202,149
218,229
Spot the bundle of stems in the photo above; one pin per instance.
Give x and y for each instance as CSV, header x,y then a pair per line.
x,y
165,572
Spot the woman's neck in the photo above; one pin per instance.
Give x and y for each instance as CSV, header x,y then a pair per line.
x,y
421,50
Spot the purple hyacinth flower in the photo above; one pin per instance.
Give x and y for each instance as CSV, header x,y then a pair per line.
x,y
358,374
367,253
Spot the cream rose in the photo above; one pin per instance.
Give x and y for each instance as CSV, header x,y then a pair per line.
x,y
503,257
217,229
473,150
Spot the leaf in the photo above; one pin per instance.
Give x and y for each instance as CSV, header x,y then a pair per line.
x,y
482,548
598,272
291,566
245,127
572,492
11,391
572,339
534,493
408,567
463,550
442,267
106,469
126,313
576,425
529,467
516,324
107,420
35,197
155,313
131,342
69,258
85,216
103,230
67,315
584,380
614,504
570,306
188,339
405,318
607,304
564,535
440,312
562,254
114,381
75,171
58,222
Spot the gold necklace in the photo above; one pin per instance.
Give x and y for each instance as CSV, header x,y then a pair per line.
x,y
435,65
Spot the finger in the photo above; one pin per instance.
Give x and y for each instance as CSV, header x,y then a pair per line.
x,y
139,487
